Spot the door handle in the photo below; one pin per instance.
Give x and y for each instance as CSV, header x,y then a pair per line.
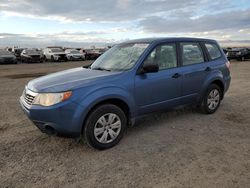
x,y
208,69
176,75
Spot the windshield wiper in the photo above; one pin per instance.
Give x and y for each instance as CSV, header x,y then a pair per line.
x,y
101,69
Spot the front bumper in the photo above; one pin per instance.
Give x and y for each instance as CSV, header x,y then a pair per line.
x,y
75,57
8,61
34,60
234,56
57,120
60,58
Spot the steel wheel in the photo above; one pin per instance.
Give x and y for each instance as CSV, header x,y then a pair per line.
x,y
107,128
213,99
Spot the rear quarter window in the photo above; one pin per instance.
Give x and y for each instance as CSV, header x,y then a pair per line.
x,y
213,51
191,53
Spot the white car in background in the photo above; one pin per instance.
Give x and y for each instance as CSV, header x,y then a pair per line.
x,y
54,54
73,54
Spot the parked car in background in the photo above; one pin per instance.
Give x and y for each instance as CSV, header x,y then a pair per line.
x,y
128,81
32,56
7,57
224,50
103,50
238,53
92,54
54,54
9,49
73,54
17,52
55,47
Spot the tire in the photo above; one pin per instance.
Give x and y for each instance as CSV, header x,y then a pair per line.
x,y
99,119
209,107
52,58
45,58
242,58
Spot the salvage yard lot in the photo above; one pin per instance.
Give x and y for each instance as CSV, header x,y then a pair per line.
x,y
178,148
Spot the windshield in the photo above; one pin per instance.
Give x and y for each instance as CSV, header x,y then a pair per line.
x,y
19,50
56,50
120,58
32,51
74,52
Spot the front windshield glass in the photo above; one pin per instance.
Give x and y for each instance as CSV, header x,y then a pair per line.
x,y
32,51
120,58
74,52
56,50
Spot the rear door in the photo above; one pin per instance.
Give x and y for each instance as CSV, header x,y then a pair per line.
x,y
194,69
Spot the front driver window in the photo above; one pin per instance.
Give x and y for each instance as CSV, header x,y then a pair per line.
x,y
164,55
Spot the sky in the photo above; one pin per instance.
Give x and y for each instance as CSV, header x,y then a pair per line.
x,y
79,23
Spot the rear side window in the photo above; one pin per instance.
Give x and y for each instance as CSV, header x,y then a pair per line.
x,y
191,53
213,51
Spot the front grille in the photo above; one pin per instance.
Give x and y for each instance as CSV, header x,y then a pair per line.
x,y
232,53
35,56
62,55
28,96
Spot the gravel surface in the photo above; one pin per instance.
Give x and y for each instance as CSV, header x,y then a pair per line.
x,y
178,148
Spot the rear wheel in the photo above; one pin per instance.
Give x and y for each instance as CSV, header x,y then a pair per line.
x,y
105,126
211,100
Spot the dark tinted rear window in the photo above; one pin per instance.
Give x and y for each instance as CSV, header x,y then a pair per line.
x,y
213,50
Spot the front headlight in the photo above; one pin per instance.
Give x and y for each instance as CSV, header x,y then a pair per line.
x,y
49,99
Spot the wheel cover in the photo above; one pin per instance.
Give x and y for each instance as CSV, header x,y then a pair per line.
x,y
107,128
213,99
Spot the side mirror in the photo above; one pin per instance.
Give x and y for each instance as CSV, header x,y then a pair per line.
x,y
149,67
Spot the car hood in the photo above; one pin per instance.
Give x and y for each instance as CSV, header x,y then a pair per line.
x,y
58,53
69,80
7,56
32,54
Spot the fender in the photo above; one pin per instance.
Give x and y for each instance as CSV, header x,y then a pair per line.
x,y
213,76
97,96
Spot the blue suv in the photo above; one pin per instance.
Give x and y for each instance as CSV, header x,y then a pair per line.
x,y
129,80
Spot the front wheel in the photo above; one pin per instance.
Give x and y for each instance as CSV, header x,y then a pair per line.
x,y
105,126
211,100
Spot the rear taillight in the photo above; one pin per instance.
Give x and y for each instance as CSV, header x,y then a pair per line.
x,y
228,64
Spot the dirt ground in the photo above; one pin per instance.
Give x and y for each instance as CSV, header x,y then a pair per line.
x,y
178,148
